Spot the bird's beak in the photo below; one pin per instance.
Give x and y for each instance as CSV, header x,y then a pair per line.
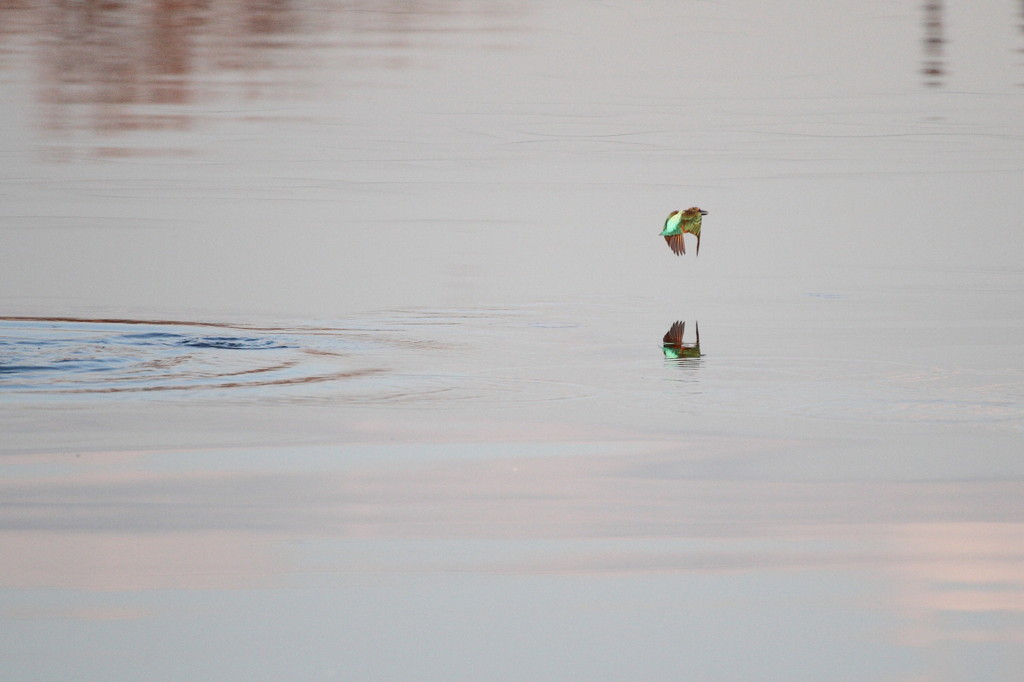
x,y
703,212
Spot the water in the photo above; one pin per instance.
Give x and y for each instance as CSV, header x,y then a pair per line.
x,y
332,341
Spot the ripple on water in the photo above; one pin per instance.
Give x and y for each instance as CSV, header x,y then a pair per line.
x,y
94,357
201,341
358,364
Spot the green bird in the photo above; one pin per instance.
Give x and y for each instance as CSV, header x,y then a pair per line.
x,y
673,346
679,222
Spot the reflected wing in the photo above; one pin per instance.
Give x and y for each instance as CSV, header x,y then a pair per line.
x,y
674,335
676,243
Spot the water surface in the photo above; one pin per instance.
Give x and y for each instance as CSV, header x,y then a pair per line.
x,y
333,341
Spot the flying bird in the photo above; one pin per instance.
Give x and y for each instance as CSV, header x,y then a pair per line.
x,y
679,222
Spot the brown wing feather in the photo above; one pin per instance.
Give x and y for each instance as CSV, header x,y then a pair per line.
x,y
676,243
674,335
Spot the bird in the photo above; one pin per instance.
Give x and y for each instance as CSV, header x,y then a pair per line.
x,y
673,346
679,222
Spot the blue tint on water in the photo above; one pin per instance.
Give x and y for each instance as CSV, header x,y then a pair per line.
x,y
400,362
94,357
201,341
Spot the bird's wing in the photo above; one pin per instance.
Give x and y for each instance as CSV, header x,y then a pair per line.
x,y
676,243
673,220
674,335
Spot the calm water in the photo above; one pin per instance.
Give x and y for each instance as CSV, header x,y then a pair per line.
x,y
337,341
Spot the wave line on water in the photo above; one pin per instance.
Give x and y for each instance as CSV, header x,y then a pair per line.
x,y
65,355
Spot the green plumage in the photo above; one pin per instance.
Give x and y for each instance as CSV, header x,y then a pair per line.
x,y
679,223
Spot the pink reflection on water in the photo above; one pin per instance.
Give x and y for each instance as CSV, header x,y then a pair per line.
x,y
958,569
942,547
128,561
117,67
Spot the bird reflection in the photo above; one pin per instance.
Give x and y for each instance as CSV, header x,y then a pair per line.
x,y
1021,27
675,348
934,68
